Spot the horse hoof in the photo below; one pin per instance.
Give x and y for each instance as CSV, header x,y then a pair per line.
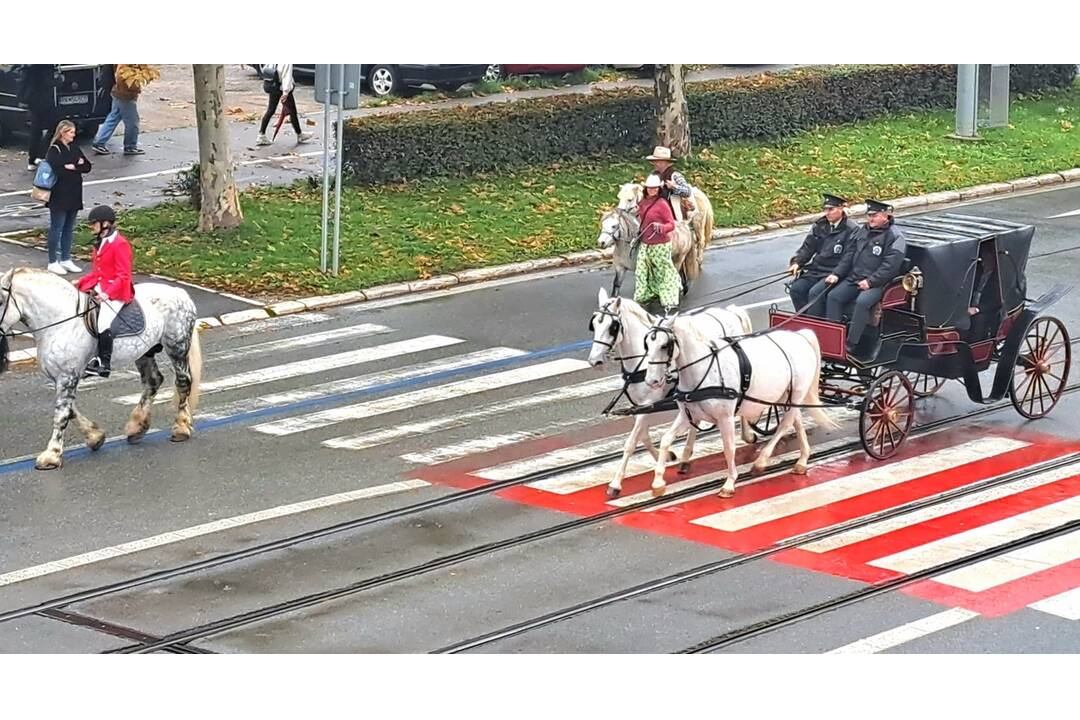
x,y
672,457
726,493
96,443
614,492
799,470
180,436
49,463
684,468
136,438
757,469
658,491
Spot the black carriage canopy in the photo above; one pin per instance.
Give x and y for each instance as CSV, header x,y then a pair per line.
x,y
946,249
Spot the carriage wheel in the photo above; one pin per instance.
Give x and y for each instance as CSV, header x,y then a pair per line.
x,y
924,385
886,416
1042,368
768,421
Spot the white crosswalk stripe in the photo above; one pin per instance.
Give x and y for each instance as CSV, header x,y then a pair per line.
x,y
417,398
946,508
860,483
906,633
312,366
1065,605
360,382
419,428
488,443
301,341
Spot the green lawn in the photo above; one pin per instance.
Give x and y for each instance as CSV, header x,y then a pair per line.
x,y
430,227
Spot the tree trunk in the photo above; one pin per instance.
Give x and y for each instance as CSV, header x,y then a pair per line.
x,y
672,116
220,201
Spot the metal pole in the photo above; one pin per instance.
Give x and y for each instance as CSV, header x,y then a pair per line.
x,y
967,98
325,168
337,149
999,95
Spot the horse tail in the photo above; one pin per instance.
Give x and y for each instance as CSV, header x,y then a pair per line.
x,y
812,397
195,364
744,318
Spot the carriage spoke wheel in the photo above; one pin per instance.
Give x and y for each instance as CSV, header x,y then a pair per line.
x,y
769,420
1042,368
924,385
888,410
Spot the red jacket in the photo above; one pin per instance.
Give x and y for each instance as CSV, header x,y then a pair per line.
x,y
112,270
657,210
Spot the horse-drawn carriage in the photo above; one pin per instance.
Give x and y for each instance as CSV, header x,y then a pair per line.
x,y
929,334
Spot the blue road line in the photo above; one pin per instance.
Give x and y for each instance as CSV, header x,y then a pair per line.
x,y
19,465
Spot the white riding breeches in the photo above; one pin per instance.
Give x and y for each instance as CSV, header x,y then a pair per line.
x,y
107,314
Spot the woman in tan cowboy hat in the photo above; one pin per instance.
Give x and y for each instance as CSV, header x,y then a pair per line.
x,y
673,182
655,277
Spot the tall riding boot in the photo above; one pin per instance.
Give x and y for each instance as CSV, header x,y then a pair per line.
x,y
101,365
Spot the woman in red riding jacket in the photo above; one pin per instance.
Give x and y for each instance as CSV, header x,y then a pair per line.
x,y
655,275
109,280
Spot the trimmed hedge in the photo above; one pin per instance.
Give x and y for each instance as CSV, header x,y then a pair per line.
x,y
501,136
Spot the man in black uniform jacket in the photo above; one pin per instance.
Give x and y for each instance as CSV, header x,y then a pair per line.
x,y
820,253
873,259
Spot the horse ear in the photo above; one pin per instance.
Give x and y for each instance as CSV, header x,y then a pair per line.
x,y
5,279
618,302
602,297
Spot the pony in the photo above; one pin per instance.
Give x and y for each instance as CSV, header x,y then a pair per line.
x,y
48,307
785,370
620,229
619,326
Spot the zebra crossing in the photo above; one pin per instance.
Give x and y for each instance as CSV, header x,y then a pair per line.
x,y
515,389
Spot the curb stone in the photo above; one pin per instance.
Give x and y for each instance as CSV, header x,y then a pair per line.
x,y
720,237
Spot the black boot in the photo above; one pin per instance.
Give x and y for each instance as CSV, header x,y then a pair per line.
x,y
101,365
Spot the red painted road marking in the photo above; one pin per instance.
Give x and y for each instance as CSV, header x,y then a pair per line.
x,y
850,561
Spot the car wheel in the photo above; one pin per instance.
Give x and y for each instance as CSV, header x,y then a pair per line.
x,y
87,130
493,73
384,80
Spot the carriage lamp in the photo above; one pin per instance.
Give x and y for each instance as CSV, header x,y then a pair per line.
x,y
913,281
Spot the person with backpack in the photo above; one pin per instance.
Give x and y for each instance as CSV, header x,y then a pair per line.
x,y
278,83
37,92
66,196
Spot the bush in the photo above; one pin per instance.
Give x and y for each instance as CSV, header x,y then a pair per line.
x,y
502,136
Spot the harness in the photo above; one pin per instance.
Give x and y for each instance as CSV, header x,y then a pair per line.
x,y
631,377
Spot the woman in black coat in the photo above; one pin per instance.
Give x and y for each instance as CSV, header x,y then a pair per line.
x,y
65,202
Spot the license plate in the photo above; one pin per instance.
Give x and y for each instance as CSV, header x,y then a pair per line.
x,y
74,99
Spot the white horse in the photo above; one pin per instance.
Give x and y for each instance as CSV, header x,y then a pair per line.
x,y
620,228
785,368
619,327
47,306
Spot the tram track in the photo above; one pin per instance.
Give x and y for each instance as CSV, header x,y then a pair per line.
x,y
171,642
311,600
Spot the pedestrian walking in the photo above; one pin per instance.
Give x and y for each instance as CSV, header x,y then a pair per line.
x,y
655,277
278,83
129,81
38,93
66,199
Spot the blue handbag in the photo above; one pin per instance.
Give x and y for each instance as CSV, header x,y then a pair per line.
x,y
45,178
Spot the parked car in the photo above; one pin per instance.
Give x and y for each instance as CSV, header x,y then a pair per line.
x,y
83,95
383,80
494,72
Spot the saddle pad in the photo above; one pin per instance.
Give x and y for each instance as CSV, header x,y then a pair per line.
x,y
130,321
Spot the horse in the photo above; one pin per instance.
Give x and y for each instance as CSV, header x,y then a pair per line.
x,y
701,220
48,306
619,327
784,367
620,228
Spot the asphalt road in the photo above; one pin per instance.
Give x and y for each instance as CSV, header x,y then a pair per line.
x,y
375,407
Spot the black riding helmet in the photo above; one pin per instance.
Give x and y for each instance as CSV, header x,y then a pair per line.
x,y
102,213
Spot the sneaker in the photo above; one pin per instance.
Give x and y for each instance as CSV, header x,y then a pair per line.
x,y
134,151
56,268
101,150
303,138
262,140
31,167
70,266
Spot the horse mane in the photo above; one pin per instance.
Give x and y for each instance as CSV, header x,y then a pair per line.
x,y
637,312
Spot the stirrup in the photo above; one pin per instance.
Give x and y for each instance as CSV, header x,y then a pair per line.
x,y
96,367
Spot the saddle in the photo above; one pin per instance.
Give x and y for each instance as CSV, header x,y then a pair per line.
x,y
130,321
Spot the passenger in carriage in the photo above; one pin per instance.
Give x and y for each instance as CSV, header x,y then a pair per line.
x,y
985,309
820,253
874,257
